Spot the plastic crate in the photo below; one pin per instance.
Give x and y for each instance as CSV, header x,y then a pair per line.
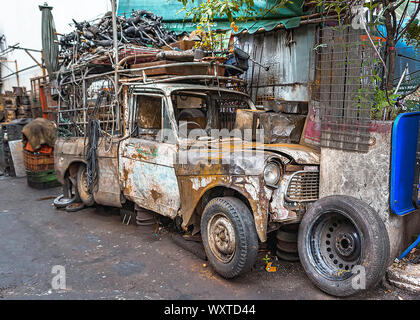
x,y
36,162
42,180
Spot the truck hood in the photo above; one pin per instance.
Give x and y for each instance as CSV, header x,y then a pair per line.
x,y
299,153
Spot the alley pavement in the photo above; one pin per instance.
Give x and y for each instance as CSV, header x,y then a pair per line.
x,y
104,259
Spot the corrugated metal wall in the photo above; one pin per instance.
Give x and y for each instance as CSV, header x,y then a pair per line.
x,y
290,56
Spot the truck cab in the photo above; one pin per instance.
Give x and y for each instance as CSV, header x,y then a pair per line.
x,y
187,151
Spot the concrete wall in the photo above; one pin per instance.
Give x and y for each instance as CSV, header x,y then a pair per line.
x,y
20,21
367,176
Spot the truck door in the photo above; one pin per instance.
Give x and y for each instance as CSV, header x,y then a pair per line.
x,y
147,158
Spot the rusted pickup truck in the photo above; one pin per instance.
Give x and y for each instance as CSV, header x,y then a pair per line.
x,y
172,151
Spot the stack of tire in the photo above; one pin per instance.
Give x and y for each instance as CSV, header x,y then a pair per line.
x,y
287,237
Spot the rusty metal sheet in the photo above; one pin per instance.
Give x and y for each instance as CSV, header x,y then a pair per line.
x,y
148,176
108,192
66,152
289,54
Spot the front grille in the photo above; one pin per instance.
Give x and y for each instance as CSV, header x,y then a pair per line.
x,y
303,187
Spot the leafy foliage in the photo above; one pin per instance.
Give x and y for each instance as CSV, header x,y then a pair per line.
x,y
412,36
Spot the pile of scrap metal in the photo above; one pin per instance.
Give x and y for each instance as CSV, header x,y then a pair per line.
x,y
90,41
15,105
142,38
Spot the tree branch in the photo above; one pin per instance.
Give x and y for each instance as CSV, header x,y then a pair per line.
x,y
399,4
402,20
413,17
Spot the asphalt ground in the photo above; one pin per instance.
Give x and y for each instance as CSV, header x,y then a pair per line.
x,y
105,259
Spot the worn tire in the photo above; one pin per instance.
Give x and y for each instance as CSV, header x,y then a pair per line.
x,y
373,244
86,197
61,202
74,207
239,217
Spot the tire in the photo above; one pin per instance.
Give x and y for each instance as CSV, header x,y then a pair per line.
x,y
85,196
233,217
61,202
286,256
337,234
74,207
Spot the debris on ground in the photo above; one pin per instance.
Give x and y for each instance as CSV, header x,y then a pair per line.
x,y
404,274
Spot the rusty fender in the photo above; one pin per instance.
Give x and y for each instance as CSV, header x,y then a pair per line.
x,y
192,189
66,152
279,213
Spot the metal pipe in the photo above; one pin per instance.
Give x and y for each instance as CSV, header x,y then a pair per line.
x,y
16,47
12,74
401,79
154,67
115,36
411,247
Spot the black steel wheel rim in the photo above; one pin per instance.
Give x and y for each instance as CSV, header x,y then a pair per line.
x,y
334,245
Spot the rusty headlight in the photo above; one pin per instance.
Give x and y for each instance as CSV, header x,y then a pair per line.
x,y
272,173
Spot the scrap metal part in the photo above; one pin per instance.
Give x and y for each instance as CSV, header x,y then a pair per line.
x,y
142,28
407,277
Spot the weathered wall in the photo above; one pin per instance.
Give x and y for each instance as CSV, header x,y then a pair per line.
x,y
289,55
367,176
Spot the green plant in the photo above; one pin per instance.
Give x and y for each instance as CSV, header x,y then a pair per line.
x,y
340,8
205,12
381,105
412,36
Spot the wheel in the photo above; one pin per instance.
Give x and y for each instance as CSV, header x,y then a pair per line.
x,y
286,256
82,187
229,236
62,202
337,235
74,207
287,237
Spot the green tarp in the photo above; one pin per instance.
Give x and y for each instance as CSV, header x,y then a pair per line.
x,y
288,16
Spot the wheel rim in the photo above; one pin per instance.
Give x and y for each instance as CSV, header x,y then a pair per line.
x,y
221,237
334,245
83,185
84,182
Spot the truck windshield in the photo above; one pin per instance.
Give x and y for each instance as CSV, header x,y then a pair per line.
x,y
207,110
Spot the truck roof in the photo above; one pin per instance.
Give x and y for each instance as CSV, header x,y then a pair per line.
x,y
169,88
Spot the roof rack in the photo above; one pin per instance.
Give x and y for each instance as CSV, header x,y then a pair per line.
x,y
168,72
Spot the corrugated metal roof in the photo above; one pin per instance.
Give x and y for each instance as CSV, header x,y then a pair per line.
x,y
289,55
288,16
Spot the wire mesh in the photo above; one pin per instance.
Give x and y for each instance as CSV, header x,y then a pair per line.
x,y
93,99
348,74
408,87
